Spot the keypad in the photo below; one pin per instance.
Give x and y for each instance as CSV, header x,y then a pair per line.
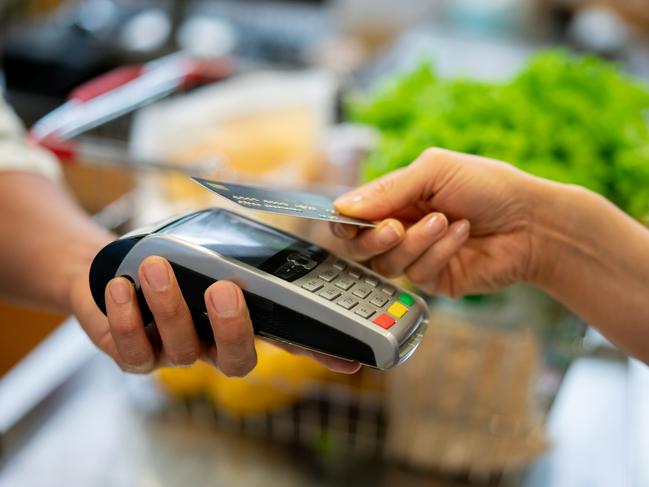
x,y
379,300
362,291
345,283
313,285
366,296
329,275
347,303
330,293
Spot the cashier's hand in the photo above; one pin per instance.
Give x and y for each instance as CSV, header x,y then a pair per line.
x,y
124,338
454,224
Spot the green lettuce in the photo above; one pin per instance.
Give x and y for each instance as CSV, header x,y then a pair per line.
x,y
573,119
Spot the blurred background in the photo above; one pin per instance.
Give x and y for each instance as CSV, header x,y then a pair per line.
x,y
506,390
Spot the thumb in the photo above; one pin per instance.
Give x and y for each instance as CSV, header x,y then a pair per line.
x,y
385,196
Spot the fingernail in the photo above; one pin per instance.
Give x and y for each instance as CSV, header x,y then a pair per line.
x,y
435,225
120,291
156,275
349,200
389,234
461,230
225,300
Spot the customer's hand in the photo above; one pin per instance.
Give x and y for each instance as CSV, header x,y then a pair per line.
x,y
123,336
454,224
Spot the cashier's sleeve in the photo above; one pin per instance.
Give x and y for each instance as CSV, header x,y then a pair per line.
x,y
16,153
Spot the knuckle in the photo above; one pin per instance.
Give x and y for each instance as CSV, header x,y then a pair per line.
x,y
382,185
431,154
428,158
183,356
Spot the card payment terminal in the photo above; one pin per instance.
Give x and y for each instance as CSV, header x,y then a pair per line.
x,y
296,291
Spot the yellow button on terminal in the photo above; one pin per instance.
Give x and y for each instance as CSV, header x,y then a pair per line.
x,y
397,309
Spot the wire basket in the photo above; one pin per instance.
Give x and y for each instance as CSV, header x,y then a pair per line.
x,y
463,405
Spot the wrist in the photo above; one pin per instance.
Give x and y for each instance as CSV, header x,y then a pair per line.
x,y
564,232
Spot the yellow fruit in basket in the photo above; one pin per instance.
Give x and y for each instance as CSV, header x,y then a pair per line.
x,y
185,382
279,379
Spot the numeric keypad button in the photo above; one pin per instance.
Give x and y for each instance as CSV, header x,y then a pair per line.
x,y
362,291
313,285
345,283
379,300
364,311
347,303
330,293
329,275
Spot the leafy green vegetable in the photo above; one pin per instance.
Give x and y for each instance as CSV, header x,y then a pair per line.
x,y
572,119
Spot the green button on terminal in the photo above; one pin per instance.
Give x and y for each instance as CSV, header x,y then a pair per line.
x,y
406,299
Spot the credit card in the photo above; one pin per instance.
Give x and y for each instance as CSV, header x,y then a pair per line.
x,y
293,203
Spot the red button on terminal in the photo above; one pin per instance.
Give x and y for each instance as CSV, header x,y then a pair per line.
x,y
384,321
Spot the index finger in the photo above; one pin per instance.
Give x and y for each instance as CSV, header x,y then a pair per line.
x,y
382,197
401,189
